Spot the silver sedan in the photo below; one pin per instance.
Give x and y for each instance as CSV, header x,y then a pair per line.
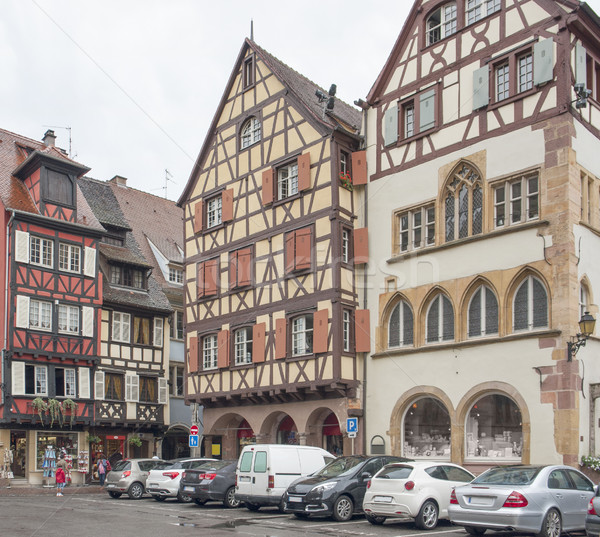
x,y
545,500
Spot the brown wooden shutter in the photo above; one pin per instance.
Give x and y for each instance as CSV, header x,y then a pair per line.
x,y
198,216
200,286
267,186
303,248
304,182
244,267
258,342
362,330
320,331
223,349
233,269
211,277
359,168
227,205
280,338
193,355
361,246
290,251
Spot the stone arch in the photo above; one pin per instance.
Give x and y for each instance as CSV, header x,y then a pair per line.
x,y
314,425
270,425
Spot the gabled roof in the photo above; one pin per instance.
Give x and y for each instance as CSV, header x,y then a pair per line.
x,y
104,203
343,117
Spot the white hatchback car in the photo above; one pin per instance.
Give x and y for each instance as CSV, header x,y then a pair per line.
x,y
418,490
163,480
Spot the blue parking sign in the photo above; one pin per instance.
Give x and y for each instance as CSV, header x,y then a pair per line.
x,y
352,425
193,440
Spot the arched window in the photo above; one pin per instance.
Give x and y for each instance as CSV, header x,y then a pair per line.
x,y
530,305
400,328
440,320
483,313
463,204
584,299
494,429
251,131
441,23
426,429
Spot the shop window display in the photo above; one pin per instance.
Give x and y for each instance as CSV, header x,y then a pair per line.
x,y
494,429
49,445
427,430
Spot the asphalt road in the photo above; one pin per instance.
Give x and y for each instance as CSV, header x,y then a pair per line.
x,y
98,515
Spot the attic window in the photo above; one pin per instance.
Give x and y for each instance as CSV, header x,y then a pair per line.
x,y
248,72
251,132
175,275
59,188
441,23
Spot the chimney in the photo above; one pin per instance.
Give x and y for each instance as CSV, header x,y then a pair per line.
x,y
118,180
49,138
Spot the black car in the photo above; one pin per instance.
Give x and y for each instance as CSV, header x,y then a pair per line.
x,y
213,480
337,489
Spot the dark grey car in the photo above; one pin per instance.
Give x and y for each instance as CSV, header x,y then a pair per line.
x,y
592,519
212,481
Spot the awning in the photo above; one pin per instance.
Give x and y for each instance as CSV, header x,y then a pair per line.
x,y
331,426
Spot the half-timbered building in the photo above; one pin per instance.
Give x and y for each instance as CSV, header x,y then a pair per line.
x,y
51,303
272,242
482,136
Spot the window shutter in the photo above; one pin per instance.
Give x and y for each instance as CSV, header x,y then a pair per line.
x,y
244,267
163,391
193,355
258,342
211,277
128,388
99,385
320,331
89,267
543,61
481,87
267,186
132,388
233,269
361,246
87,314
303,258
84,383
21,246
223,349
227,205
304,182
17,372
580,64
22,316
390,126
280,338
200,287
158,331
198,210
362,330
359,168
427,110
290,252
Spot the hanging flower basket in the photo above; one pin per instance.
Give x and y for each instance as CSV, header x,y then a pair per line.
x,y
41,407
135,441
70,405
346,180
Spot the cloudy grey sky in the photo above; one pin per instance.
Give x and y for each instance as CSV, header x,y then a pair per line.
x,y
138,81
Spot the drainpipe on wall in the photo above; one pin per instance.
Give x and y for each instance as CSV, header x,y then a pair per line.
x,y
6,279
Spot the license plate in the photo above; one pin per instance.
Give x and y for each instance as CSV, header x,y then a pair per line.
x,y
153,484
383,499
188,489
110,486
294,498
245,478
480,500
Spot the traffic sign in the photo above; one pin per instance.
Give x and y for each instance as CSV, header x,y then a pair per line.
x,y
194,440
351,435
194,429
351,425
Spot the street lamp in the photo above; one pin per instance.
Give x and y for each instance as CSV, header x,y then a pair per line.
x,y
586,329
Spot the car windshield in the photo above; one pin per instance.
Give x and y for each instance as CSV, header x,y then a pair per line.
x,y
395,472
122,466
340,466
509,475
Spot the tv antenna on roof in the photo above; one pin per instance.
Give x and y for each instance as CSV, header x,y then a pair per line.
x,y
67,128
168,176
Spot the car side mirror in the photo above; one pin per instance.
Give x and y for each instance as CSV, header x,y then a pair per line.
x,y
365,475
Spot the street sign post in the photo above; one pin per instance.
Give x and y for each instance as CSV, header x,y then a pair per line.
x,y
194,440
352,425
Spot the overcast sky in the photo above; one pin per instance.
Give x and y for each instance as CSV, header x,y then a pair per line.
x,y
138,81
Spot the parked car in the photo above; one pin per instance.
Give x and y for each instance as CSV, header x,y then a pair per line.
x,y
211,481
336,490
129,476
592,519
418,490
163,480
265,471
545,500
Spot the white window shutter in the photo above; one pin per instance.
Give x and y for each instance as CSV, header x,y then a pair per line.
x,y
390,126
162,391
543,61
580,64
22,314
132,388
128,388
158,331
89,267
88,322
427,110
21,246
84,383
481,87
17,370
99,385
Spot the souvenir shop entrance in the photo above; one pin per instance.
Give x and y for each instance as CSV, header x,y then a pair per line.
x,y
18,446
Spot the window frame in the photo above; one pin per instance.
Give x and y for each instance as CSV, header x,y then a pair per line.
x,y
346,245
513,87
176,275
250,132
73,252
403,342
484,331
507,203
210,348
45,251
441,319
484,6
425,211
249,72
531,306
177,381
302,337
414,103
121,323
291,181
72,326
72,383
443,22
460,179
146,384
145,326
128,276
176,328
40,305
38,379
214,211
110,386
242,346
346,330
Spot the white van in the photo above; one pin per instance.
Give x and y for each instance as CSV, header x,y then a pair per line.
x,y
264,471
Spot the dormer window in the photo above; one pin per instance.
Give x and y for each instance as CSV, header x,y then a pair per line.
x,y
175,275
478,9
251,132
127,276
59,188
441,23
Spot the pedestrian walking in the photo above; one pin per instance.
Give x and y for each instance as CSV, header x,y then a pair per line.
x,y
103,469
61,474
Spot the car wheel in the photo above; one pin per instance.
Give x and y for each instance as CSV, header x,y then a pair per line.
x,y
159,498
183,498
136,491
343,509
552,525
375,520
115,494
472,530
199,501
252,506
230,500
301,516
427,518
